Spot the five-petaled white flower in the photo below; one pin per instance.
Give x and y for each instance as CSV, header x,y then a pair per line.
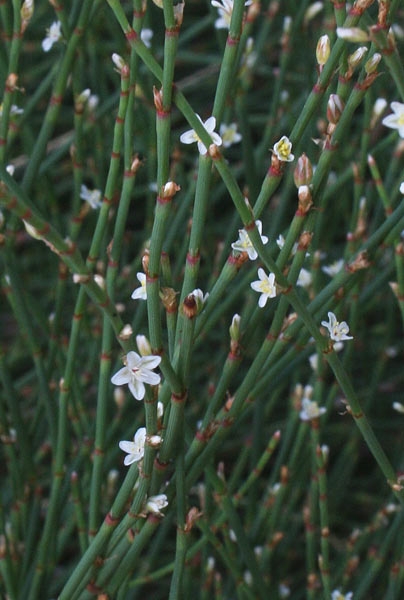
x,y
189,137
311,410
135,449
146,36
137,372
334,267
53,35
200,297
396,120
140,293
14,110
93,197
244,244
265,285
229,134
337,595
338,331
154,504
283,149
225,10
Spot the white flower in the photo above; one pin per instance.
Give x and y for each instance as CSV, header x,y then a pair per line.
x,y
118,61
93,197
135,449
283,149
402,187
225,10
154,504
53,35
160,409
10,169
146,36
265,285
336,595
14,110
243,244
338,331
398,407
334,267
325,451
93,102
313,360
281,242
396,120
189,137
284,590
311,410
137,372
140,293
305,278
232,536
229,134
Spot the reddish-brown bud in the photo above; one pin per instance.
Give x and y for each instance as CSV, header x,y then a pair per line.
x,y
335,108
303,173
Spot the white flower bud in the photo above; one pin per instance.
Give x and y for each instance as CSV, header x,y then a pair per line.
x,y
235,328
118,61
372,64
355,58
323,49
143,345
352,34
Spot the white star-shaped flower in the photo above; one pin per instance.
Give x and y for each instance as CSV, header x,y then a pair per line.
x,y
338,331
283,149
146,36
229,134
140,293
135,449
155,504
334,267
311,410
244,244
14,110
396,120
189,137
200,298
225,10
137,372
54,34
265,285
336,595
93,197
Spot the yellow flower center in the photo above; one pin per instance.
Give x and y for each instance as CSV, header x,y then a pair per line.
x,y
283,149
401,119
265,287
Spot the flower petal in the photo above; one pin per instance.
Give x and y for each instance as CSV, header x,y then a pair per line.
x,y
137,389
262,300
127,447
149,377
122,377
188,137
133,360
150,362
210,124
129,459
202,148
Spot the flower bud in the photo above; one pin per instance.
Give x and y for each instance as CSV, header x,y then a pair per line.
x,y
169,189
355,58
303,172
100,281
352,34
287,24
126,332
118,62
323,50
312,11
31,230
335,107
83,97
378,109
190,306
235,328
305,200
143,345
179,13
372,64
27,10
158,99
119,396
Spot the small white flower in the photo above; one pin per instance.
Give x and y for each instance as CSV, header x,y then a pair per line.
x,y
10,169
338,331
135,449
325,451
402,187
305,278
137,372
54,34
232,536
14,110
155,504
93,197
334,267
93,102
398,31
258,550
160,409
225,10
398,407
283,149
313,360
337,595
118,61
265,285
396,120
140,293
311,410
189,137
210,563
244,244
229,134
146,36
248,578
284,590
275,488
